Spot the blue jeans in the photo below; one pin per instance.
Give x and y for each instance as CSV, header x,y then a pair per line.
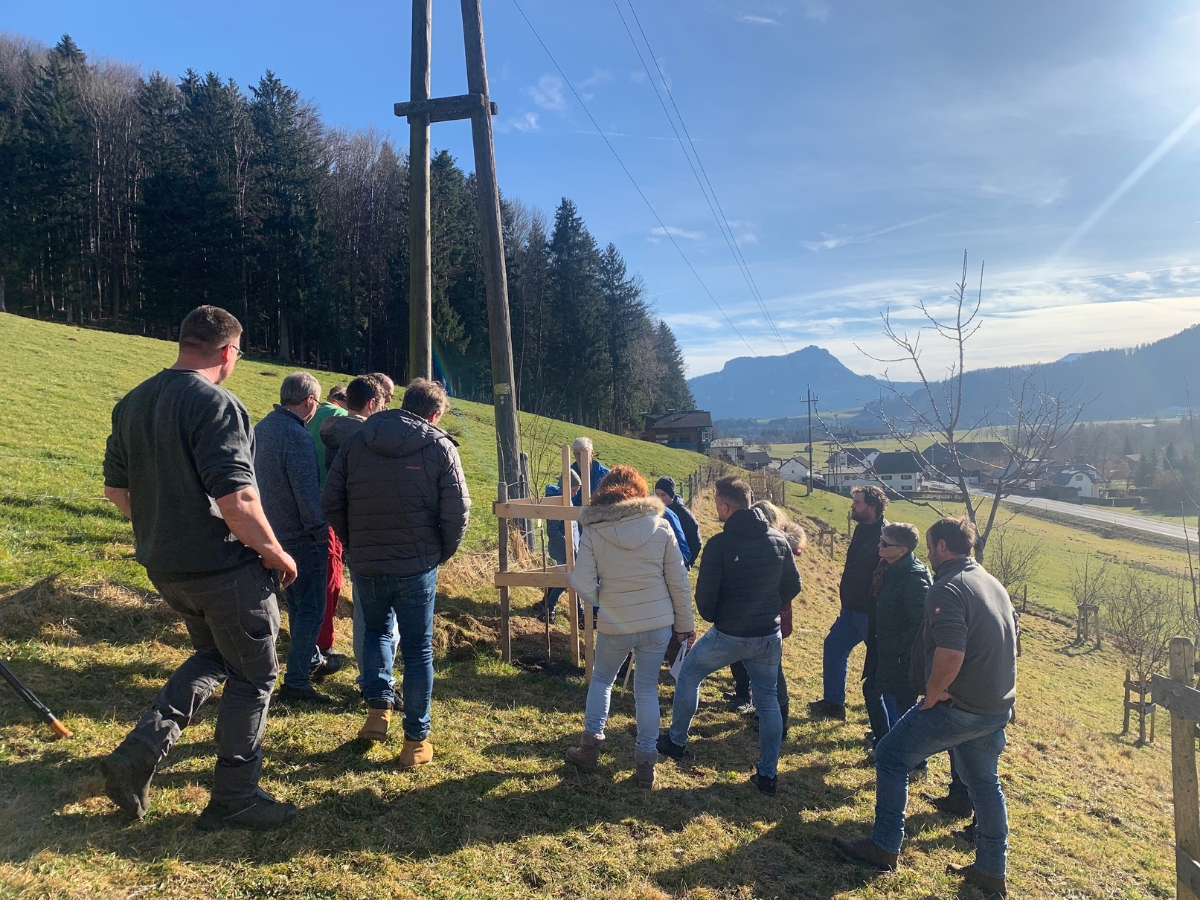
x,y
410,601
306,609
716,650
848,631
975,743
611,650
360,631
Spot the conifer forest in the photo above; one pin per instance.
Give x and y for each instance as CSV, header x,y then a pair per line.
x,y
127,199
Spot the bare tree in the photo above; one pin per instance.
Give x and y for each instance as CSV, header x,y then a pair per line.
x,y
1013,559
1035,417
1143,614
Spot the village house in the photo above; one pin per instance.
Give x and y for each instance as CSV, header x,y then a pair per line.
x,y
900,471
794,470
728,448
687,430
755,460
977,460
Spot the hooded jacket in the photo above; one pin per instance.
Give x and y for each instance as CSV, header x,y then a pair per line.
x,y
396,496
747,573
629,565
335,431
899,611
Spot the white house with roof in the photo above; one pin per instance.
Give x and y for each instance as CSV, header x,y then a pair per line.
x,y
794,470
900,471
729,448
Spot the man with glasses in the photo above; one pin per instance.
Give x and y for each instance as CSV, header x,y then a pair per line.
x,y
858,598
180,465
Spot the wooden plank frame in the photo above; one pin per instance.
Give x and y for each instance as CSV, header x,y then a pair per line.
x,y
1178,695
557,510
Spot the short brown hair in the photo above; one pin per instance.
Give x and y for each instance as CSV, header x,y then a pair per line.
x,y
957,531
425,398
902,534
206,329
361,391
734,491
872,496
337,394
621,483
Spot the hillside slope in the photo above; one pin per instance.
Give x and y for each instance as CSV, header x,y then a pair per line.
x,y
62,383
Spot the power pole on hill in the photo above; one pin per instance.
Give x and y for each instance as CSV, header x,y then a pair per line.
x,y
478,107
420,252
809,400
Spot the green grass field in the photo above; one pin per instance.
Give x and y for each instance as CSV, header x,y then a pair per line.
x,y
498,814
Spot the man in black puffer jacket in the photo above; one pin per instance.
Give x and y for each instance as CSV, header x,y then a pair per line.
x,y
397,498
747,574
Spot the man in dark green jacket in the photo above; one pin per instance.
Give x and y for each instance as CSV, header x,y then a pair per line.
x,y
899,610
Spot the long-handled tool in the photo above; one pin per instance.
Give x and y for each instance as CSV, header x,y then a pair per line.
x,y
28,696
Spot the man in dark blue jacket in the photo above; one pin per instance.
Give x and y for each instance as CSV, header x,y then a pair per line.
x,y
747,574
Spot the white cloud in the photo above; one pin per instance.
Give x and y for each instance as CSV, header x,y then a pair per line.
x,y
548,93
526,122
659,231
828,241
757,20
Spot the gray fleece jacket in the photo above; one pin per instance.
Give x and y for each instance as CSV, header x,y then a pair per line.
x,y
285,462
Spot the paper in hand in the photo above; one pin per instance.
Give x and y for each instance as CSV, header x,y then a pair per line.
x,y
678,664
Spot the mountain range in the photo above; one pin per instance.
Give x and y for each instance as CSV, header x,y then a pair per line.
x,y
1137,382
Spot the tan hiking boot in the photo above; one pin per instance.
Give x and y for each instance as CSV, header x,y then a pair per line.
x,y
586,756
990,884
644,771
416,753
376,726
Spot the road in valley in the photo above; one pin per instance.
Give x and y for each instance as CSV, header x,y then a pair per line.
x,y
1106,515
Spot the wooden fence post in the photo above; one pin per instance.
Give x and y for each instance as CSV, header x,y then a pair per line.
x,y
502,534
1183,777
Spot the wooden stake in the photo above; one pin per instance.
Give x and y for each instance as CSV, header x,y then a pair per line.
x,y
502,528
585,499
1183,771
568,533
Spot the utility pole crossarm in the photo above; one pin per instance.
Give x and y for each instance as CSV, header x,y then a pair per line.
x,y
445,109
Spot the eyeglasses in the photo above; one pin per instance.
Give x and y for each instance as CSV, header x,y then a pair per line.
x,y
237,350
883,543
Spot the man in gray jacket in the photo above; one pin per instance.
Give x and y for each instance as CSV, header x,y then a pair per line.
x,y
289,479
397,498
969,647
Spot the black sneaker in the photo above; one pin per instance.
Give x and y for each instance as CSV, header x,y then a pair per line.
x,y
330,663
262,812
539,611
765,784
128,771
823,709
289,694
965,834
668,747
736,701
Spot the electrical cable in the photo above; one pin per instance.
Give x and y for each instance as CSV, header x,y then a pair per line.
x,y
632,180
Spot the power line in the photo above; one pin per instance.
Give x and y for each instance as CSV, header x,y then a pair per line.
x,y
632,180
718,212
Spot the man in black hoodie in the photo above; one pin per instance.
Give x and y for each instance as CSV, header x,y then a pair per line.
x,y
397,498
858,599
747,574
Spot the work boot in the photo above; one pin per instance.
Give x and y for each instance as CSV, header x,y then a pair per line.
x,y
738,702
289,694
867,851
415,753
823,709
966,834
644,761
766,785
989,884
128,771
668,747
262,812
957,807
539,611
586,756
331,662
376,726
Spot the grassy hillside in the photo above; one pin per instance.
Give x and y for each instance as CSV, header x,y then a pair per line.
x,y
498,815
61,385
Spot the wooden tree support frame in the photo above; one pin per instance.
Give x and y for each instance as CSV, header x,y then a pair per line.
x,y
1140,706
1177,695
1088,624
555,510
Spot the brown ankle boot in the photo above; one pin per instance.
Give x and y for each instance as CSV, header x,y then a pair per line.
x,y
867,851
587,755
376,726
990,884
415,753
644,771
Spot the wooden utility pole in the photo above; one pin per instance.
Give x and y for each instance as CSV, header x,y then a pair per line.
x,y
478,107
809,400
420,262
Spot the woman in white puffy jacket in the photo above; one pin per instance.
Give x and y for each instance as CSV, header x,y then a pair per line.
x,y
629,566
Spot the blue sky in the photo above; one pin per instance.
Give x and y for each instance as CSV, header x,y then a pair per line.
x,y
856,148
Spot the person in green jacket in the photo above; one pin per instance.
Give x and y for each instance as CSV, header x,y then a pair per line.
x,y
899,611
334,405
